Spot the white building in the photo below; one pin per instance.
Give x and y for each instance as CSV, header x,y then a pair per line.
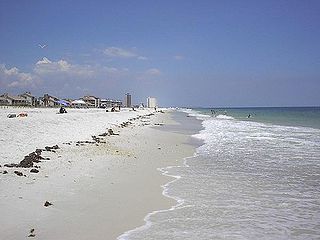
x,y
106,103
12,100
92,101
50,101
151,102
79,104
30,99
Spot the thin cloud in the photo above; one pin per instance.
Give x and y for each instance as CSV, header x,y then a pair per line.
x,y
116,52
149,75
153,72
142,58
46,66
178,57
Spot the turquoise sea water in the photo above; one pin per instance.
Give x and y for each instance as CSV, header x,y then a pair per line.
x,y
252,178
288,116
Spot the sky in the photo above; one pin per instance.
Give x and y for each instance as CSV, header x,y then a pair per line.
x,y
204,53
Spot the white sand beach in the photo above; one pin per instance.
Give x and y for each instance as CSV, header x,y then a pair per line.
x,y
99,187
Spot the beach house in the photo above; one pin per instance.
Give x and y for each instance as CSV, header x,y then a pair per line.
x,y
30,99
3,101
107,103
92,101
79,104
50,101
12,100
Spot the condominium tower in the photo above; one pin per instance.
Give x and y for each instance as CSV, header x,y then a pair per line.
x,y
127,100
151,102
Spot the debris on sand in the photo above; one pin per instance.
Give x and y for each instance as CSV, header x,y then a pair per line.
x,y
33,170
52,149
111,132
11,115
18,173
103,134
34,157
47,204
32,234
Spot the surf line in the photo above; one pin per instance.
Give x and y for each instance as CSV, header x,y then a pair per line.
x,y
180,202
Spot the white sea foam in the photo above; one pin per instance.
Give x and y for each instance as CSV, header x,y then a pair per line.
x,y
248,180
196,114
224,117
165,187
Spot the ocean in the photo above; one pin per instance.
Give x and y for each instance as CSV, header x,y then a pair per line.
x,y
256,175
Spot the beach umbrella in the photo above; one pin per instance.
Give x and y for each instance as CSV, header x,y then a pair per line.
x,y
62,102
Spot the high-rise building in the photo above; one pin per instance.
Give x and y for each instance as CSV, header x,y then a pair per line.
x,y
151,102
127,100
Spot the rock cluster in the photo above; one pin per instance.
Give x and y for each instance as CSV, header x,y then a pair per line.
x,y
47,204
29,160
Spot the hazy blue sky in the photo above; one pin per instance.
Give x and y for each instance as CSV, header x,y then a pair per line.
x,y
195,53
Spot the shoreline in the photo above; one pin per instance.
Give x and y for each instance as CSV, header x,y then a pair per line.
x,y
188,130
96,191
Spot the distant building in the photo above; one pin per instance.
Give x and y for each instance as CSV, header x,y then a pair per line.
x,y
127,100
107,103
79,104
151,102
3,101
30,99
50,101
40,102
92,101
11,100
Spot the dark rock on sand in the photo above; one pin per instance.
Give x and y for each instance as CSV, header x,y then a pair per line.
x,y
96,139
11,165
27,162
38,151
103,134
110,131
32,234
33,170
18,173
47,204
5,172
36,156
51,149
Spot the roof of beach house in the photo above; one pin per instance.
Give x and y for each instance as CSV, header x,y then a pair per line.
x,y
78,102
12,97
90,98
28,94
3,99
